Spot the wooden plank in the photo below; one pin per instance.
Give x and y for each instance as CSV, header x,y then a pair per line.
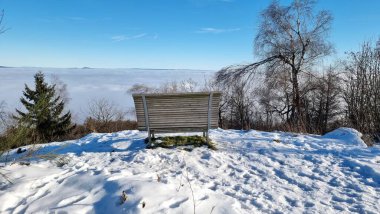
x,y
180,116
177,116
179,130
181,120
174,94
171,123
178,111
192,124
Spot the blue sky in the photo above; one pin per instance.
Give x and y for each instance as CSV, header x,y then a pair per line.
x,y
195,34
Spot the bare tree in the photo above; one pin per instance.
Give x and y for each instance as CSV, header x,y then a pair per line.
x,y
242,104
60,88
323,102
290,39
274,98
363,88
3,114
2,27
188,85
237,105
105,111
140,88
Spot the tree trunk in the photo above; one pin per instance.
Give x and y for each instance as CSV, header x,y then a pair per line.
x,y
296,112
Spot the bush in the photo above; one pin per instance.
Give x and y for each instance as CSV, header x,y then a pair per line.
x,y
92,125
15,137
109,126
176,141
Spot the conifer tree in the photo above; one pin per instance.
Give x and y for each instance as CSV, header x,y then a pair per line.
x,y
44,111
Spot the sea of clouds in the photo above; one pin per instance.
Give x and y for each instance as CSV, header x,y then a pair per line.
x,y
86,84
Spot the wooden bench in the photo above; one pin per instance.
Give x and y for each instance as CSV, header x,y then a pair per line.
x,y
177,112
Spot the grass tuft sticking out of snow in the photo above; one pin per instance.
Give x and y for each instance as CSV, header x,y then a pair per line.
x,y
189,142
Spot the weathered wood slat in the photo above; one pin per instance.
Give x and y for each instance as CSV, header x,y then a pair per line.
x,y
176,117
174,114
188,94
179,128
176,121
155,126
177,111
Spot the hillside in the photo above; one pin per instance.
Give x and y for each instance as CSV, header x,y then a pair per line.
x,y
251,172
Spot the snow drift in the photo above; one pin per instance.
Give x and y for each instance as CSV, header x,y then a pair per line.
x,y
252,172
346,135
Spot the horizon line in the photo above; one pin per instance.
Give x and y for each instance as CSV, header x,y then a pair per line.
x,y
89,68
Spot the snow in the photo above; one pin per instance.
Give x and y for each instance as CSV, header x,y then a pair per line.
x,y
251,172
346,135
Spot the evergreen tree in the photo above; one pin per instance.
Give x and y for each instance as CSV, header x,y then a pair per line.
x,y
44,111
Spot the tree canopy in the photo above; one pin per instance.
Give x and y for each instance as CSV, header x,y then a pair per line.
x,y
44,111
289,41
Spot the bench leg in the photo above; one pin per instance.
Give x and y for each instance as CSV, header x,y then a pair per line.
x,y
149,138
204,134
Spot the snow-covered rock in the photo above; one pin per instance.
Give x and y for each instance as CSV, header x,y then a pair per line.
x,y
252,172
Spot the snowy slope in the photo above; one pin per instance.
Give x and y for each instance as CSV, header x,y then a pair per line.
x,y
252,172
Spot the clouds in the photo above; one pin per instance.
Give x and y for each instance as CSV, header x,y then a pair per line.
x,y
119,38
155,36
207,30
217,30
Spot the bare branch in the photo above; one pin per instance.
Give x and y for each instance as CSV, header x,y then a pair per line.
x,y
3,29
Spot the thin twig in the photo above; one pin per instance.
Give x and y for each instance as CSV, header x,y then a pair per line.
x,y
180,182
212,209
191,188
6,178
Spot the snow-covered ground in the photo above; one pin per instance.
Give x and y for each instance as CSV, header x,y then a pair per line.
x,y
252,172
85,84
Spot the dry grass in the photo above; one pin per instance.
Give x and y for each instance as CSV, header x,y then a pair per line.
x,y
180,141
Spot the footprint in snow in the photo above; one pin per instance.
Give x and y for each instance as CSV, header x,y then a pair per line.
x,y
309,204
203,198
291,202
206,156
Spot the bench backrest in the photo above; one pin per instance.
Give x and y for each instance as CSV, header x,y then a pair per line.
x,y
177,111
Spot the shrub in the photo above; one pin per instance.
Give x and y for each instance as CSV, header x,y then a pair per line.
x,y
109,126
15,137
176,141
